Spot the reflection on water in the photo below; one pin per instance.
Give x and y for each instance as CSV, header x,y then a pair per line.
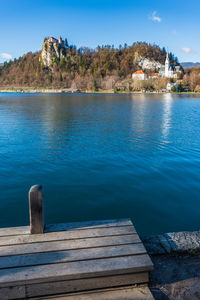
x,y
168,101
102,156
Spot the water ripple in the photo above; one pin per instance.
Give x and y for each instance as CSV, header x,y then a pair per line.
x,y
102,156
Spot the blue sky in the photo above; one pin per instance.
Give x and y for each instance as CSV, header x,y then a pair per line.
x,y
173,24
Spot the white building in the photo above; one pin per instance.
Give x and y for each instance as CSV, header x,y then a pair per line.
x,y
165,71
169,71
55,41
140,75
60,41
167,66
170,85
52,40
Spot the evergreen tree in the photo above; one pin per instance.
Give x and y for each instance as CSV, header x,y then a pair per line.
x,y
66,43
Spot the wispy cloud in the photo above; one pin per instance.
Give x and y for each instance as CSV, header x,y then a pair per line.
x,y
187,50
154,17
5,56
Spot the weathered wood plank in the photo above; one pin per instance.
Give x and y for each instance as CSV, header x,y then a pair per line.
x,y
85,284
70,255
125,293
87,225
66,235
7,231
13,292
76,257
10,231
40,290
76,270
68,244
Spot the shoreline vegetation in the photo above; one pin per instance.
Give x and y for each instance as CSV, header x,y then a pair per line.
x,y
75,91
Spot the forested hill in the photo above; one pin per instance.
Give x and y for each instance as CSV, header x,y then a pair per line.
x,y
82,68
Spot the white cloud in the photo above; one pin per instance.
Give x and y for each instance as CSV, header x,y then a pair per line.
x,y
155,18
6,56
187,50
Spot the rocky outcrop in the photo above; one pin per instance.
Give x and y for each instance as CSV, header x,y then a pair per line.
x,y
147,64
51,51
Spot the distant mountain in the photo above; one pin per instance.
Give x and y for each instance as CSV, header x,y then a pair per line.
x,y
190,64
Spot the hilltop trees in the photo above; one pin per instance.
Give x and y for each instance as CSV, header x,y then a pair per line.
x,y
83,67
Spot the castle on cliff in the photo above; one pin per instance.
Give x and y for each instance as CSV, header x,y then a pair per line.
x,y
55,41
52,49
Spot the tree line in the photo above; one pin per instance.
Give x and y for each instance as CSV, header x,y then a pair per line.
x,y
82,68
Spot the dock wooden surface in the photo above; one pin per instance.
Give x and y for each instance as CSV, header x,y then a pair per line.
x,y
70,258
124,293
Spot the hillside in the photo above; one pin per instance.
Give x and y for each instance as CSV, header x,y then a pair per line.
x,y
82,68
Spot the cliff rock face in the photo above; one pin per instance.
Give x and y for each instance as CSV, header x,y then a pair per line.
x,y
147,64
51,50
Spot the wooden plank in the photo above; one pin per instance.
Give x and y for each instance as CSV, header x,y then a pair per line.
x,y
7,231
70,255
85,284
10,231
125,293
87,225
66,235
59,287
36,210
13,292
68,244
80,269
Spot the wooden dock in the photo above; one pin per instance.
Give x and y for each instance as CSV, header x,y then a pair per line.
x,y
72,260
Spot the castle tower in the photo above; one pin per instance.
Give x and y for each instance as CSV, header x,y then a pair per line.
x,y
60,40
167,66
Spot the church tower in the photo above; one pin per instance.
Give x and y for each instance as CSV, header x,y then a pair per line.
x,y
167,66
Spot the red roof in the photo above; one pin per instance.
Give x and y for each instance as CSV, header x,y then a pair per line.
x,y
153,74
140,72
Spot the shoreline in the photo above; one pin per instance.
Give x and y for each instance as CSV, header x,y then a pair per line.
x,y
173,242
76,91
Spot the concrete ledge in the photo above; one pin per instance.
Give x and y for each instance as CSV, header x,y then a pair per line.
x,y
179,242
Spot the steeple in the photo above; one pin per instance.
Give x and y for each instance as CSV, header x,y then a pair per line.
x,y
167,66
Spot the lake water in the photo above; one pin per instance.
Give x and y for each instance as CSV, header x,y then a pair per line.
x,y
102,157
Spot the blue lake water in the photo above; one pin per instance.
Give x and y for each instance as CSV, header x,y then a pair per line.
x,y
102,157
